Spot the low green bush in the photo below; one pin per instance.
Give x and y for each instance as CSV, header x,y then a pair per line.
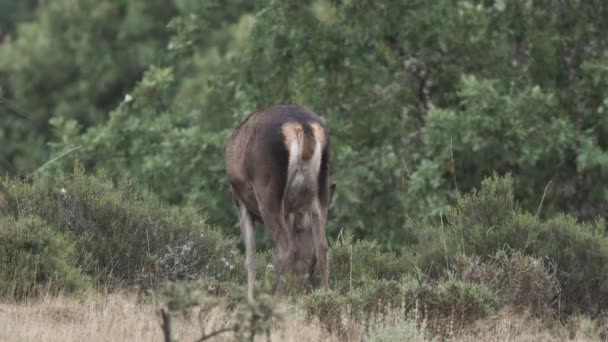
x,y
353,262
375,296
518,281
448,303
328,307
36,259
579,253
489,220
132,239
447,300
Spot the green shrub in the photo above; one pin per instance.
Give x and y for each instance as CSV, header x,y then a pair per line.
x,y
328,307
445,303
36,259
579,252
492,206
448,303
357,261
131,238
488,221
519,281
375,296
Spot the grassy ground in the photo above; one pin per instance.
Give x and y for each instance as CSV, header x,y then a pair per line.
x,y
126,318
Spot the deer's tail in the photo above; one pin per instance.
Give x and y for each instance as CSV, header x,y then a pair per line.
x,y
305,146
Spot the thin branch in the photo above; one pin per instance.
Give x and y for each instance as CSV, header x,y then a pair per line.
x,y
52,160
215,333
542,200
453,167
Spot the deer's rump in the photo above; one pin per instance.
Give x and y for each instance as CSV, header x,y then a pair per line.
x,y
286,146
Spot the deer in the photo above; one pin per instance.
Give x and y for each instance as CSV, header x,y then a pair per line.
x,y
278,165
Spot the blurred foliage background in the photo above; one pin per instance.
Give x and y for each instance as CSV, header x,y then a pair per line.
x,y
423,99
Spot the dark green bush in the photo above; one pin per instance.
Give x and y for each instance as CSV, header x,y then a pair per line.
x,y
36,259
579,252
131,238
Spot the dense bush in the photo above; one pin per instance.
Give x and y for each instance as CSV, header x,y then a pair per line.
x,y
449,300
37,259
130,238
520,282
487,221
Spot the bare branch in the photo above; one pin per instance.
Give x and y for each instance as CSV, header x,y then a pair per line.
x,y
215,333
166,324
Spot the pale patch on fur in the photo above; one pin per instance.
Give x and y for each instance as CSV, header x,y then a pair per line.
x,y
302,174
318,132
292,131
294,140
320,141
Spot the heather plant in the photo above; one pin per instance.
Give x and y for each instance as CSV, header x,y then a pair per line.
x,y
441,302
487,221
123,237
38,260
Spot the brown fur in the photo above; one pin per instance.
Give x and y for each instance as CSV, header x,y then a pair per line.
x,y
257,163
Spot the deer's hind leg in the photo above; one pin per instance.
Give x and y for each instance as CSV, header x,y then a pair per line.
x,y
247,229
273,214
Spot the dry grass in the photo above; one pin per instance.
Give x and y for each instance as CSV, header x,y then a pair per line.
x,y
120,318
127,318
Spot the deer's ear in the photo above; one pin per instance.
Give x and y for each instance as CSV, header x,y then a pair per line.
x,y
332,188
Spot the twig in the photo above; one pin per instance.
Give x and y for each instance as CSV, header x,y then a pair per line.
x,y
541,201
407,170
350,277
52,160
445,247
453,167
215,333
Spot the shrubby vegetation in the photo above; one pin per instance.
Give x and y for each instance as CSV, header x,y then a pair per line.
x,y
77,232
117,236
484,222
36,259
